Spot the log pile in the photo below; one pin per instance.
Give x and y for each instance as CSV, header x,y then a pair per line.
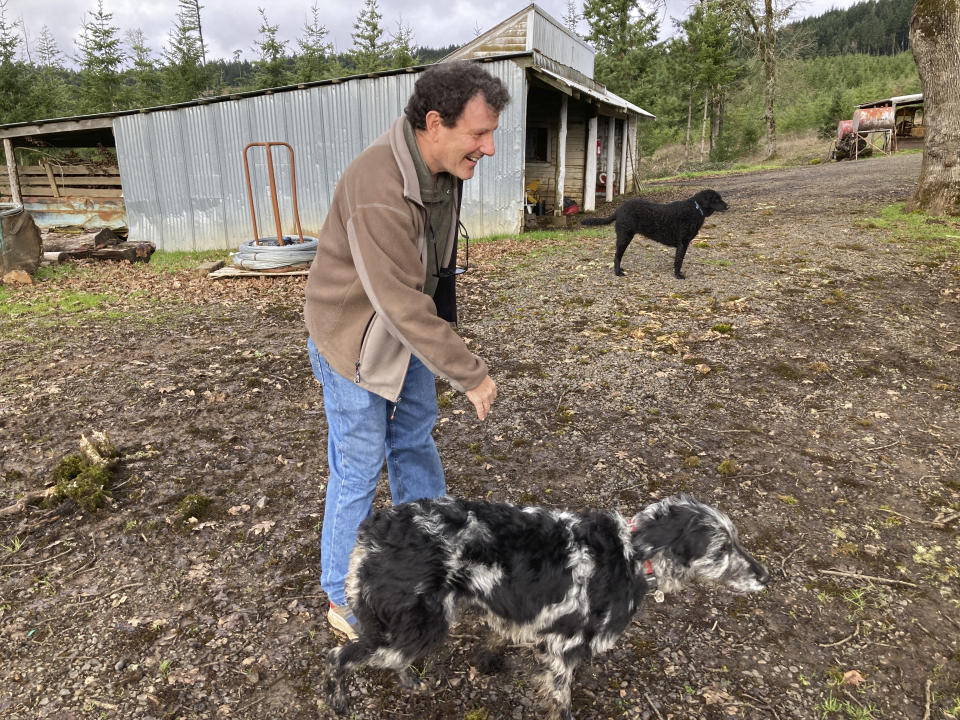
x,y
101,244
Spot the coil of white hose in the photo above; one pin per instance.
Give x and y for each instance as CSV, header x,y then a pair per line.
x,y
271,255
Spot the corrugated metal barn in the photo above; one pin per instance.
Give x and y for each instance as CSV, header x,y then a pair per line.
x,y
182,167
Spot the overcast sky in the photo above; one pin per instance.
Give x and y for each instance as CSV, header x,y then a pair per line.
x,y
230,25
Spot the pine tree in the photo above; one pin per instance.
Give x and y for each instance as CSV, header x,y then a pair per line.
x,y
50,86
185,76
624,35
271,69
573,16
144,79
16,100
101,59
315,60
402,51
369,52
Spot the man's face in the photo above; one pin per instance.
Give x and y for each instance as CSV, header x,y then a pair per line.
x,y
458,149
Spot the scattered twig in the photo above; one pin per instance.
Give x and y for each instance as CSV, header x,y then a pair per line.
x,y
841,642
943,520
763,705
881,447
108,590
783,563
926,711
38,562
871,578
29,498
647,696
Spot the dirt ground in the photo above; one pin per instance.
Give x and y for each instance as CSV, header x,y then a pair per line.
x,y
804,378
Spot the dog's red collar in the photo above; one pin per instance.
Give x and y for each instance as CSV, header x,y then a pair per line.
x,y
648,574
651,577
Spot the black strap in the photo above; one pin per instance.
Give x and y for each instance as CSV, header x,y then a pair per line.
x,y
445,296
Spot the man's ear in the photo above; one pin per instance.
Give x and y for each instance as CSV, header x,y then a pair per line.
x,y
433,121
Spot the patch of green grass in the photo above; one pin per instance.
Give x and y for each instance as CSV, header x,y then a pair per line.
x,y
936,238
64,302
167,261
723,328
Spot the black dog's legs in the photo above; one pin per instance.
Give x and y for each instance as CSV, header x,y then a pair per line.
x,y
623,242
678,258
556,681
341,660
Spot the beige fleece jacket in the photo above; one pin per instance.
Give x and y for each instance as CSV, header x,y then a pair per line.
x,y
365,307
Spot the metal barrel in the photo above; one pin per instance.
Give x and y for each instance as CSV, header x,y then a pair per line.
x,y
844,128
868,119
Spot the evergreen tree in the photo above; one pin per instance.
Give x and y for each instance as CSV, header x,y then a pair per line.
x,y
402,52
572,17
143,77
623,34
369,52
184,76
101,59
271,69
50,86
713,64
15,97
315,60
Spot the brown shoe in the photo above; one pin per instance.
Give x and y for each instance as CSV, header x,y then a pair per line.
x,y
343,620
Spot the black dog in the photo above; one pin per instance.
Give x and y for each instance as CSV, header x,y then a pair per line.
x,y
674,224
569,583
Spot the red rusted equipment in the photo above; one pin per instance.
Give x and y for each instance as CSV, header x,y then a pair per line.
x,y
844,128
871,119
273,190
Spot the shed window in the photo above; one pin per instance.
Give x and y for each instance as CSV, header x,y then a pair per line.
x,y
538,144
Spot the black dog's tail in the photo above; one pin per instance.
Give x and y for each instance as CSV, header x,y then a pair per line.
x,y
599,220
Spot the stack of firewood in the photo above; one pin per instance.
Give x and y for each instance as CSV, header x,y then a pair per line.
x,y
102,244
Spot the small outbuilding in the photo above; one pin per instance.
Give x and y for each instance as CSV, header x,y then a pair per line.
x,y
181,181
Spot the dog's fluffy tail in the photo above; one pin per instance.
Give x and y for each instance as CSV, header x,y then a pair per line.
x,y
599,220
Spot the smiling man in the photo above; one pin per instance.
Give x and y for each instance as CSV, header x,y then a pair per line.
x,y
381,301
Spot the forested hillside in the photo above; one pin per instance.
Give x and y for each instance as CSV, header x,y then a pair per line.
x,y
708,85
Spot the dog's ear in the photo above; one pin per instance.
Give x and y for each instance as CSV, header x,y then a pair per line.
x,y
678,531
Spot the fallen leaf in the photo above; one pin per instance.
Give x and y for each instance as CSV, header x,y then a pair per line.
x,y
262,528
852,677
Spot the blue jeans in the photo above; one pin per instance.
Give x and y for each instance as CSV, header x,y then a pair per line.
x,y
363,430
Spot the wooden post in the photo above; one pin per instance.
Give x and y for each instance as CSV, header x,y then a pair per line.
x,y
12,171
611,155
561,156
622,186
590,169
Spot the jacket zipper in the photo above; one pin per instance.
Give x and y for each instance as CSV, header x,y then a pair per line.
x,y
356,375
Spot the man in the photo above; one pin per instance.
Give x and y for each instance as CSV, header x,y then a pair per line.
x,y
380,300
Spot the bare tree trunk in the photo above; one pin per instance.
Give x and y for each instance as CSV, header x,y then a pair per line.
x,y
770,76
935,39
703,124
686,147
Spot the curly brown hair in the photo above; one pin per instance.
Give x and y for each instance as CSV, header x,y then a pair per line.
x,y
448,87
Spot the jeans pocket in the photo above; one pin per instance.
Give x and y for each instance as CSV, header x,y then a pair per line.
x,y
316,361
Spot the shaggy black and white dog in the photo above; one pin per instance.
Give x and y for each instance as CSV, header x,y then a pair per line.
x,y
568,583
675,224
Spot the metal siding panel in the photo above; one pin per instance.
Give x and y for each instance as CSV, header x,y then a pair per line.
x,y
135,160
204,177
183,168
313,185
493,200
173,188
234,133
